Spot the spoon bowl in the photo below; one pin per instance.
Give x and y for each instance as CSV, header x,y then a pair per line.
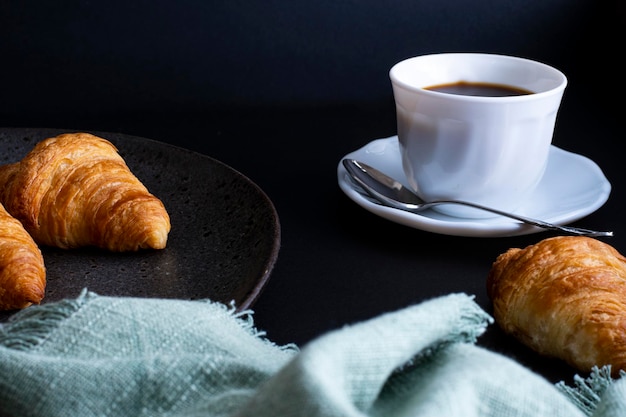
x,y
390,192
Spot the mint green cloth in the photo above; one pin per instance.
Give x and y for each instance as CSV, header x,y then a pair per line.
x,y
109,356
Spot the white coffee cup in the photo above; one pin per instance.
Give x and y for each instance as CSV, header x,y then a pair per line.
x,y
487,150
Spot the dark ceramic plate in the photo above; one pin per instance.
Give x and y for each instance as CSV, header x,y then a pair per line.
x,y
223,243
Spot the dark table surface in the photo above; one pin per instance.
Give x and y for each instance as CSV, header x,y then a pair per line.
x,y
338,264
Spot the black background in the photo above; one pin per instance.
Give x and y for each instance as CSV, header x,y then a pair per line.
x,y
281,90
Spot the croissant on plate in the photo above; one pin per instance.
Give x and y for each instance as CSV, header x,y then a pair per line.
x,y
564,297
76,190
22,270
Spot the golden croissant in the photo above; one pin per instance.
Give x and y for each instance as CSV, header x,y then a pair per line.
x,y
22,270
564,297
76,190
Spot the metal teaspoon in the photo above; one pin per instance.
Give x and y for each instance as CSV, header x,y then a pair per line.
x,y
392,193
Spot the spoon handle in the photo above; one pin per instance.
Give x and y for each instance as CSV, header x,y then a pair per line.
x,y
539,223
416,209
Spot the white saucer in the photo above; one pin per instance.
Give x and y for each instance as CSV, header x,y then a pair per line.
x,y
572,187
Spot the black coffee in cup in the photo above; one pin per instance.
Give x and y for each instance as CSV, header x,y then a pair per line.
x,y
466,88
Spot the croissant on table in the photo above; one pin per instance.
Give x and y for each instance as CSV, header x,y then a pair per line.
x,y
22,270
564,297
76,190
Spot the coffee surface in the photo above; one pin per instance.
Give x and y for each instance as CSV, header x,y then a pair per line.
x,y
479,89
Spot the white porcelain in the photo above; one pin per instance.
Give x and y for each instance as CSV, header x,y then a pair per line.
x,y
557,198
489,150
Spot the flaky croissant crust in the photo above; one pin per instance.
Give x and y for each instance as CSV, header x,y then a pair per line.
x,y
76,190
22,270
564,297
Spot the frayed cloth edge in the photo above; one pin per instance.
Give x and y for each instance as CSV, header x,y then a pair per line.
x,y
587,393
29,327
245,319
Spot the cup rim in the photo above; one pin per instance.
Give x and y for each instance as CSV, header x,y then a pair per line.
x,y
559,77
